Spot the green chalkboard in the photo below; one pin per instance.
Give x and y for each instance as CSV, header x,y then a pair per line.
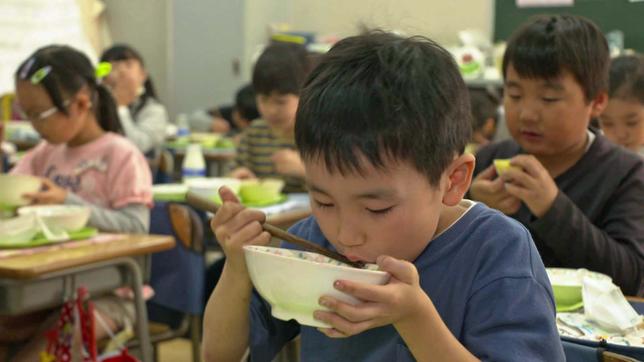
x,y
624,15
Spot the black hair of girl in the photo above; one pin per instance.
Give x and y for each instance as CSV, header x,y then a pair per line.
x,y
124,52
70,71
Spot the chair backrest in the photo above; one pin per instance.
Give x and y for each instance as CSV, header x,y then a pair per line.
x,y
576,352
165,169
177,275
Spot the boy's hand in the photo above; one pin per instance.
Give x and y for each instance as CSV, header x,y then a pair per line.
x,y
219,125
236,226
490,190
52,194
288,162
531,183
397,301
243,173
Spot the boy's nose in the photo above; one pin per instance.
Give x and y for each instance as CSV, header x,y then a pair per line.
x,y
528,114
348,236
622,134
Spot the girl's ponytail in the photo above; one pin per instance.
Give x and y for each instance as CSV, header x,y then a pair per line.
x,y
106,112
63,71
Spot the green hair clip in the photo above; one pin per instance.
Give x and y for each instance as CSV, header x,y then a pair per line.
x,y
103,69
40,74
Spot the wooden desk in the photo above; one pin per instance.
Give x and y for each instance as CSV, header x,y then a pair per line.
x,y
38,264
45,279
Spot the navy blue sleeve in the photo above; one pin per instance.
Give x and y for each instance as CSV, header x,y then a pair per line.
x,y
267,334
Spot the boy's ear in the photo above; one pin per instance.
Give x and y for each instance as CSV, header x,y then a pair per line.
x,y
598,104
459,178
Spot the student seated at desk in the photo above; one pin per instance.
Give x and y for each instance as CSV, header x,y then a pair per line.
x,y
83,158
578,193
267,146
227,119
381,128
143,117
623,119
484,104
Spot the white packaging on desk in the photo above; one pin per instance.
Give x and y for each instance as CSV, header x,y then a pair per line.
x,y
605,304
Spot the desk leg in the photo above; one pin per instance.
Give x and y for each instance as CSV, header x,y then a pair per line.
x,y
141,311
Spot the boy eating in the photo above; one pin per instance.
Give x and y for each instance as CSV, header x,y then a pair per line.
x,y
381,128
578,194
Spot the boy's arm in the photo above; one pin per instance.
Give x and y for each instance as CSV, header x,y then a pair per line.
x,y
402,303
616,249
427,336
226,319
612,244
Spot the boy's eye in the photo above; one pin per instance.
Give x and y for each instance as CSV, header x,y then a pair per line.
x,y
550,100
514,96
380,211
322,205
632,124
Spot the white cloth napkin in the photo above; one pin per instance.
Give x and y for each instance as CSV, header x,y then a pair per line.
x,y
605,304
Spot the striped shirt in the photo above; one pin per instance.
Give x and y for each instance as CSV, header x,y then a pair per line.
x,y
256,147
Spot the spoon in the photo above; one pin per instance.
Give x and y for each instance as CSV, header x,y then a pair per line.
x,y
202,203
51,233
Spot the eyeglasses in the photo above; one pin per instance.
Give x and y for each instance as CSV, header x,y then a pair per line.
x,y
42,115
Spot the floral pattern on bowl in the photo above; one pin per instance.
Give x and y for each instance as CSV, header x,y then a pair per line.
x,y
309,256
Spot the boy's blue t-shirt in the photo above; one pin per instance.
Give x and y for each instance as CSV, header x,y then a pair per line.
x,y
483,275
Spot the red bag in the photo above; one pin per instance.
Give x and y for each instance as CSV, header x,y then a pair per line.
x,y
73,337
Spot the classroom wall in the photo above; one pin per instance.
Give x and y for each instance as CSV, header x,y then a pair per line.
x,y
145,24
190,46
257,15
439,19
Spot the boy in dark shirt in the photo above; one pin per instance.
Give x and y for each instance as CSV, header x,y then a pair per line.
x,y
579,195
381,127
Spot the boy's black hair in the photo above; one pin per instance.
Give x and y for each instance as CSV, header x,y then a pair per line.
x,y
548,45
245,103
125,52
484,104
282,68
383,96
626,79
70,71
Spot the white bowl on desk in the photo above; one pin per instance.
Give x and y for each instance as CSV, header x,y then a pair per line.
x,y
209,186
68,217
16,230
12,187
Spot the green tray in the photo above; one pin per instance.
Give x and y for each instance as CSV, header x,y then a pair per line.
x,y
181,197
39,239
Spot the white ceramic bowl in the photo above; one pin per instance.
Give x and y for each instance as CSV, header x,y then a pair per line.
x,y
20,229
293,281
209,186
68,217
12,187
